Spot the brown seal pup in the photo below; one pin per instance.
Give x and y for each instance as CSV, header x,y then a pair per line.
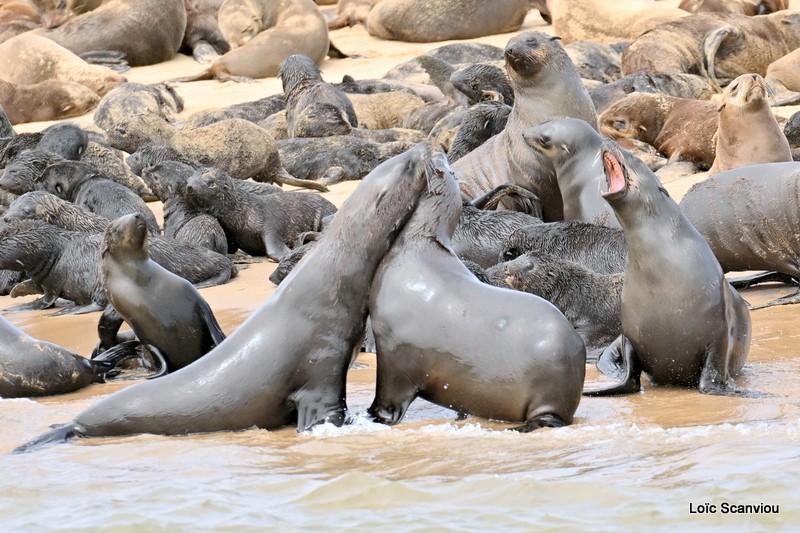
x,y
750,217
250,380
745,109
680,128
31,367
591,301
546,84
158,26
574,148
744,7
682,322
444,336
424,21
303,86
259,225
164,310
46,100
203,36
606,22
28,59
262,33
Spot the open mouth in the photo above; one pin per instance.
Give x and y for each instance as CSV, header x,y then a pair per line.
x,y
615,174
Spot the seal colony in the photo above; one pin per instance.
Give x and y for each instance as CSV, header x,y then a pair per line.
x,y
410,245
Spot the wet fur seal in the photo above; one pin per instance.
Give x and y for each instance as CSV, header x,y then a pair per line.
x,y
481,122
745,109
749,216
574,148
250,380
546,84
424,21
46,100
28,58
444,336
164,310
262,33
158,25
682,322
259,225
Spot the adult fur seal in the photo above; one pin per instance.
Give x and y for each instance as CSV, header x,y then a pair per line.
x,y
574,148
164,310
262,33
745,108
443,335
682,322
546,84
251,380
750,218
46,100
424,21
158,26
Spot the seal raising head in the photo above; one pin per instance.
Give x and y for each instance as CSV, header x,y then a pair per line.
x,y
126,234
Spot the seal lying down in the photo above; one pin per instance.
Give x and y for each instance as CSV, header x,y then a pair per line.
x,y
682,322
287,363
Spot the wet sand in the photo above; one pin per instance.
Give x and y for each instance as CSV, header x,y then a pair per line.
x,y
627,462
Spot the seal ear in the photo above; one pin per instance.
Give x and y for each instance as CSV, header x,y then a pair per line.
x,y
555,38
721,107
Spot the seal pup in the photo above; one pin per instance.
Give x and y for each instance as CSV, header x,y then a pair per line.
x,y
682,322
424,21
156,99
545,84
750,218
262,33
745,108
303,86
250,380
46,100
481,122
444,336
574,148
165,311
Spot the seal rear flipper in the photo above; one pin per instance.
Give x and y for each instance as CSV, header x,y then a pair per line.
x,y
207,74
108,327
762,277
541,421
619,361
217,335
711,44
113,59
78,310
45,302
56,435
203,52
783,300
25,288
284,178
105,362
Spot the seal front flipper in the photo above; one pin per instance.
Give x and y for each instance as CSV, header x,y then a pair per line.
x,y
541,421
56,435
113,59
315,406
394,392
107,328
619,361
783,300
78,310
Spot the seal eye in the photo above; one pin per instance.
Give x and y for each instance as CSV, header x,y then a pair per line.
x,y
544,141
59,189
619,124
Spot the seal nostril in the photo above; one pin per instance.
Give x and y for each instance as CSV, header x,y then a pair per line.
x,y
755,76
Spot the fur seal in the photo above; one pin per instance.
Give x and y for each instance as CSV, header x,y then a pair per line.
x,y
46,100
475,80
203,36
157,99
259,225
262,33
574,148
546,84
302,381
424,21
682,322
350,12
54,13
443,335
158,26
16,17
28,59
744,7
164,310
678,85
303,86
481,122
591,301
383,110
25,171
745,108
749,217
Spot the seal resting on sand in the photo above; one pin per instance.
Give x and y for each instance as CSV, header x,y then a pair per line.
x,y
443,335
259,377
546,85
682,322
46,100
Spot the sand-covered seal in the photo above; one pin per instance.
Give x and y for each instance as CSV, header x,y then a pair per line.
x,y
29,58
424,21
444,336
147,31
574,148
165,311
157,99
682,322
262,33
546,84
748,133
46,100
251,380
259,225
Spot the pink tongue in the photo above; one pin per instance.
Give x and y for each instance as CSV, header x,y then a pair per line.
x,y
616,179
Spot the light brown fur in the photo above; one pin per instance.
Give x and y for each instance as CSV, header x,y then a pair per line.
x,y
46,100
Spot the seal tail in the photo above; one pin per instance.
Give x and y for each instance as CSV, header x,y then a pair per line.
x,y
56,435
